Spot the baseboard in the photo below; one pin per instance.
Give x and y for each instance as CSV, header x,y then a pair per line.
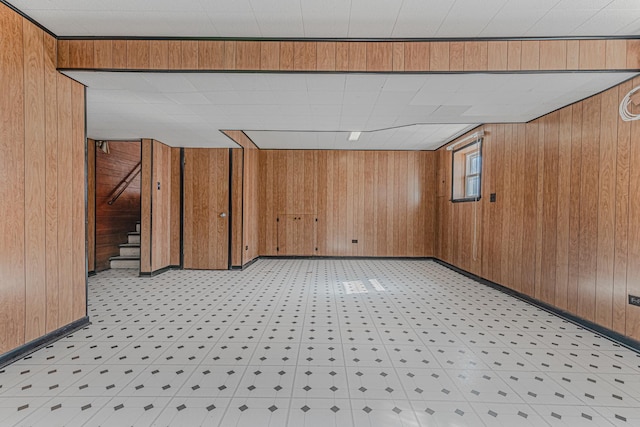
x,y
245,265
43,341
333,257
617,337
160,271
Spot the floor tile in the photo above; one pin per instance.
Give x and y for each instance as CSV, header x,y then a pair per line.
x,y
284,343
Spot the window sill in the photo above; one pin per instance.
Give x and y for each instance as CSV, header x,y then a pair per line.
x,y
469,199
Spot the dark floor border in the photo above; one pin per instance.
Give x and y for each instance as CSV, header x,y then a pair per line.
x,y
45,340
320,257
160,271
245,265
614,336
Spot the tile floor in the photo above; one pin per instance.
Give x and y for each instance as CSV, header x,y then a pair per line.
x,y
320,343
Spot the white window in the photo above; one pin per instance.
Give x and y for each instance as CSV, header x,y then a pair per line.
x,y
467,173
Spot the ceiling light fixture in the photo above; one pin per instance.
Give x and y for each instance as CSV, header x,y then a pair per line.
x,y
354,136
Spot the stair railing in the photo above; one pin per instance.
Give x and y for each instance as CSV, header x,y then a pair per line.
x,y
124,184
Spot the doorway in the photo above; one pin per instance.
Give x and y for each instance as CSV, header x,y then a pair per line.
x,y
206,214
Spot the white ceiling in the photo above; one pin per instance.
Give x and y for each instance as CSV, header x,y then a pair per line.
x,y
336,18
190,109
414,137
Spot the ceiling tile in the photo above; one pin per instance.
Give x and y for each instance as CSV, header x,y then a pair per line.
x,y
171,108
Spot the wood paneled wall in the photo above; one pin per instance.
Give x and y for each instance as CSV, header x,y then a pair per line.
x,y
354,56
245,200
565,227
42,178
383,199
160,206
113,222
91,205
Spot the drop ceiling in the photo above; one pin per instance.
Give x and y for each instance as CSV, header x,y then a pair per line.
x,y
336,18
190,109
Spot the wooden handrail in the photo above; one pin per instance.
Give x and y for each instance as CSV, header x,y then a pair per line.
x,y
117,192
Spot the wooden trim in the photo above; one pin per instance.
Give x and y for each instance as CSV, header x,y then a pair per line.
x,y
350,55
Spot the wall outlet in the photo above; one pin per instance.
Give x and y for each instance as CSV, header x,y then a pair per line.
x,y
354,241
492,197
634,300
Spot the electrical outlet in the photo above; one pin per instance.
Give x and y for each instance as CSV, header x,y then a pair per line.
x,y
492,197
634,300
354,241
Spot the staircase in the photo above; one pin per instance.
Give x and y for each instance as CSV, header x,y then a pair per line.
x,y
129,252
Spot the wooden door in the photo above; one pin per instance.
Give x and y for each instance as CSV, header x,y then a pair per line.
x,y
296,234
206,209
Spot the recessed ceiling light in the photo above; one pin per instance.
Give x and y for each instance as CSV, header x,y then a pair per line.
x,y
354,136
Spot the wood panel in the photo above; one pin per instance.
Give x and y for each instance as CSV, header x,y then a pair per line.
x,y
553,55
606,208
248,55
622,218
79,228
530,59
574,208
550,207
113,222
380,57
564,225
210,55
251,210
286,56
161,202
12,190
416,56
439,57
398,56
497,55
206,197
103,53
146,202
514,55
34,181
118,54
354,56
176,213
563,214
159,55
592,54
589,208
382,200
326,52
65,200
270,56
51,177
476,56
91,205
237,173
42,166
304,56
633,265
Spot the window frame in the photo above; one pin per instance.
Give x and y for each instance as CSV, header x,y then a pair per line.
x,y
465,176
